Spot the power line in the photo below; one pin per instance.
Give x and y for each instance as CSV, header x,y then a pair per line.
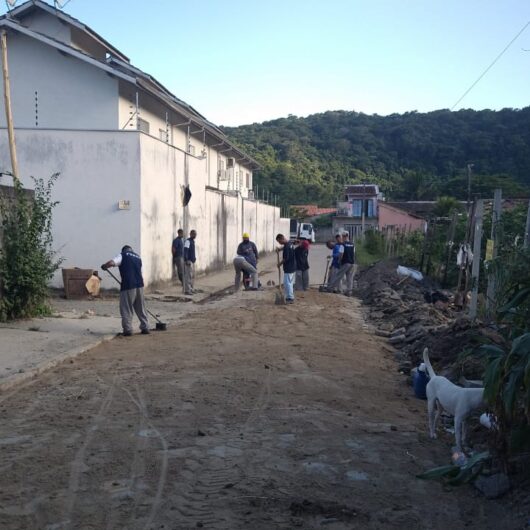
x,y
490,66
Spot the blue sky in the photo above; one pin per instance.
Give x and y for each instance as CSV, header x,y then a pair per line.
x,y
242,61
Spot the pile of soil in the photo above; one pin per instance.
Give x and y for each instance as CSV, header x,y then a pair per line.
x,y
417,314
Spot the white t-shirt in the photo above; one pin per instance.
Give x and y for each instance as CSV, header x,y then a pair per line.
x,y
117,260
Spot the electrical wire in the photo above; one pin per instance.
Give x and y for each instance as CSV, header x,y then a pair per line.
x,y
491,65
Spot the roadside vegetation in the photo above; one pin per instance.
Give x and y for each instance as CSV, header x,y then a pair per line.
x,y
27,260
507,362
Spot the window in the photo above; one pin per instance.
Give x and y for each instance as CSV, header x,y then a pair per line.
x,y
248,180
230,162
370,210
143,125
163,135
191,149
357,207
220,164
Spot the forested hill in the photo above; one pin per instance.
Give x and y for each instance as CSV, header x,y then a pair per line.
x,y
412,156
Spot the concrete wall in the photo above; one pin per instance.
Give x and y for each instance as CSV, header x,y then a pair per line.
x,y
100,168
71,94
97,170
219,218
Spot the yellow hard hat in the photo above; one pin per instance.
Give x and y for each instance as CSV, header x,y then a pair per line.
x,y
246,235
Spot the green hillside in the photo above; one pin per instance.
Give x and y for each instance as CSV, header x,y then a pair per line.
x,y
412,156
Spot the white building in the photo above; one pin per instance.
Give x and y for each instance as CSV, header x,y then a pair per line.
x,y
126,149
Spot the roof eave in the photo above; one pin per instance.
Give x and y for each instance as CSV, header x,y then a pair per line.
x,y
32,4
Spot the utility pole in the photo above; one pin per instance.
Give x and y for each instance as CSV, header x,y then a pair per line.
x,y
469,167
475,270
362,212
526,241
449,246
7,103
495,224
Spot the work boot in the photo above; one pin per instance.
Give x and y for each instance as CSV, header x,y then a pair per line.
x,y
145,332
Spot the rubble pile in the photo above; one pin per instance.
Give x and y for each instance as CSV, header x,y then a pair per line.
x,y
415,314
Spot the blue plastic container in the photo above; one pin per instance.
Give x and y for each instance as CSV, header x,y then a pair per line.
x,y
419,384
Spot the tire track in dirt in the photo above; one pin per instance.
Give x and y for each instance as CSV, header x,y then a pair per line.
x,y
140,403
220,469
78,463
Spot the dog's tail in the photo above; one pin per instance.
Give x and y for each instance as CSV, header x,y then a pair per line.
x,y
428,364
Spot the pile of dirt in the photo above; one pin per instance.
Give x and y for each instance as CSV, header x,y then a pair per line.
x,y
417,314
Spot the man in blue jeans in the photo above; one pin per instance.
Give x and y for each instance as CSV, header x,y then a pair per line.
x,y
289,267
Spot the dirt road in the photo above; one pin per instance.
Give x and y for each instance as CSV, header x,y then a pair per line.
x,y
246,416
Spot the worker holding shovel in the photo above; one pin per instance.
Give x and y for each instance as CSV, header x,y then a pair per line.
x,y
131,291
289,267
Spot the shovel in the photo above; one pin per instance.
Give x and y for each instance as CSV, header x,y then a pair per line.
x,y
322,288
160,326
280,298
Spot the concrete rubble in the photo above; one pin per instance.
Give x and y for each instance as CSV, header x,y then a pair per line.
x,y
413,315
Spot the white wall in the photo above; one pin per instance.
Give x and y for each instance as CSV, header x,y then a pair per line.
x,y
71,94
100,168
97,170
154,112
218,218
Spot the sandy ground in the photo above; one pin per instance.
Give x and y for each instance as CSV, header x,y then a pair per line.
x,y
29,346
245,415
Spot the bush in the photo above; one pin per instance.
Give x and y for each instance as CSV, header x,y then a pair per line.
x,y
27,261
374,242
507,390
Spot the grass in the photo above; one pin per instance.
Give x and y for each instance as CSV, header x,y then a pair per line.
x,y
365,257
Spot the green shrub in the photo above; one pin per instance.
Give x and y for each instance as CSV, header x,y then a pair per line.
x,y
374,242
27,261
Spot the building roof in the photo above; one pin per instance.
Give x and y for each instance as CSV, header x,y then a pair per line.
x,y
392,206
34,5
362,189
312,210
118,64
421,209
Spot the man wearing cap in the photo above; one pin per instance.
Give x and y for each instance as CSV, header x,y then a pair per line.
x,y
132,289
249,267
248,250
345,269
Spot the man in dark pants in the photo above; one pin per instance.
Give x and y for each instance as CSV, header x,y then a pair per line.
x,y
177,249
132,289
189,263
289,267
301,252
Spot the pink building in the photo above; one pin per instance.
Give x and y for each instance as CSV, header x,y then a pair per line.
x,y
394,218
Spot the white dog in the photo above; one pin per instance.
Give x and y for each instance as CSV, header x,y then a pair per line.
x,y
458,401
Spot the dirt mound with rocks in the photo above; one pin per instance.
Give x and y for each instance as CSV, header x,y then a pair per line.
x,y
415,314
